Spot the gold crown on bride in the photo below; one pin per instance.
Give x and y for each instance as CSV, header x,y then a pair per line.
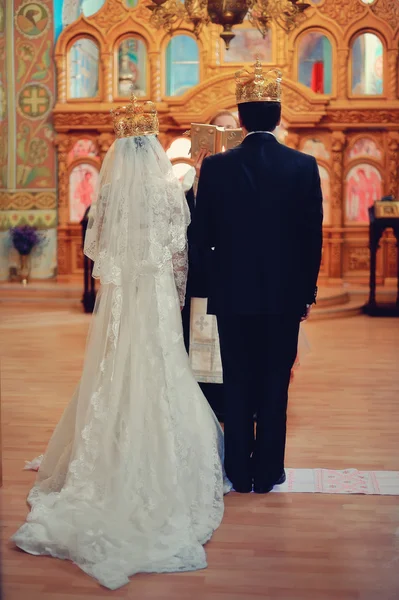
x,y
258,86
135,119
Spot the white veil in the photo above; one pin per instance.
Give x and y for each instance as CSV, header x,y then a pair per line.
x,y
132,478
140,218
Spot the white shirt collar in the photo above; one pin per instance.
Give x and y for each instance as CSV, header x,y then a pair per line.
x,y
253,132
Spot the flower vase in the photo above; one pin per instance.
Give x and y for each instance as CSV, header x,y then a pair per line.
x,y
24,268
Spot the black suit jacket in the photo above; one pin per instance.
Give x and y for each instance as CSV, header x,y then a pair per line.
x,y
259,206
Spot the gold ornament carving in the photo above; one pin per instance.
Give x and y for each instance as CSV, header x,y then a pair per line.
x,y
109,15
222,90
295,102
342,73
63,144
392,259
387,10
393,163
105,141
343,12
155,65
61,65
393,71
106,63
29,200
335,266
338,141
281,45
211,95
86,120
360,117
359,259
141,12
63,256
288,69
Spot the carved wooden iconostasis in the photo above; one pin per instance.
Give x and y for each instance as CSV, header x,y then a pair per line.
x,y
340,104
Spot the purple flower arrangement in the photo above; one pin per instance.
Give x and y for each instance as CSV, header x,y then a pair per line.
x,y
24,238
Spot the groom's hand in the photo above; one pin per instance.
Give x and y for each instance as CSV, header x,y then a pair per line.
x,y
306,313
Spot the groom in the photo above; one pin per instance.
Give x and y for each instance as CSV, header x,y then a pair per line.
x,y
259,207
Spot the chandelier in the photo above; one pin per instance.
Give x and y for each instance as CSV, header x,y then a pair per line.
x,y
168,14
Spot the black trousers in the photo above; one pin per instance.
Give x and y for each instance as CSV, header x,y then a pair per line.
x,y
258,353
213,392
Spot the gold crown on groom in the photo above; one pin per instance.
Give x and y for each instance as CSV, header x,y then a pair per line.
x,y
135,119
258,86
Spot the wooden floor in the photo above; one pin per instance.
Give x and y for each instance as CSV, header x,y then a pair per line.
x,y
344,412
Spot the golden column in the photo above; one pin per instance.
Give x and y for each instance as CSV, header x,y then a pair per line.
x,y
393,163
337,199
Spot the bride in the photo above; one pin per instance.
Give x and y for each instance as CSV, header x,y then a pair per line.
x,y
132,480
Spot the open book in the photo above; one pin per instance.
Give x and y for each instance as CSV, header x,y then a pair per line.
x,y
213,139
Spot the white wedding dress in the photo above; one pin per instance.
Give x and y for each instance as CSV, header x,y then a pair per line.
x,y
132,480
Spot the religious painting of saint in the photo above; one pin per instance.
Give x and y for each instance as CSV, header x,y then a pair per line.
x,y
181,65
365,147
83,148
315,62
82,187
132,68
367,65
316,148
325,188
249,45
83,68
363,188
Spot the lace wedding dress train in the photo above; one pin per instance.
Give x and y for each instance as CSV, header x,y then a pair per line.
x,y
132,480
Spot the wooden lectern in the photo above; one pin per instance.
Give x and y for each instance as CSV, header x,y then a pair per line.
x,y
383,215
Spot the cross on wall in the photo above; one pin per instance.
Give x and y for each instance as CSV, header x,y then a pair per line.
x,y
33,102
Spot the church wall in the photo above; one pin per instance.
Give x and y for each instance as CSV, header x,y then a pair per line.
x,y
3,97
343,111
29,190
